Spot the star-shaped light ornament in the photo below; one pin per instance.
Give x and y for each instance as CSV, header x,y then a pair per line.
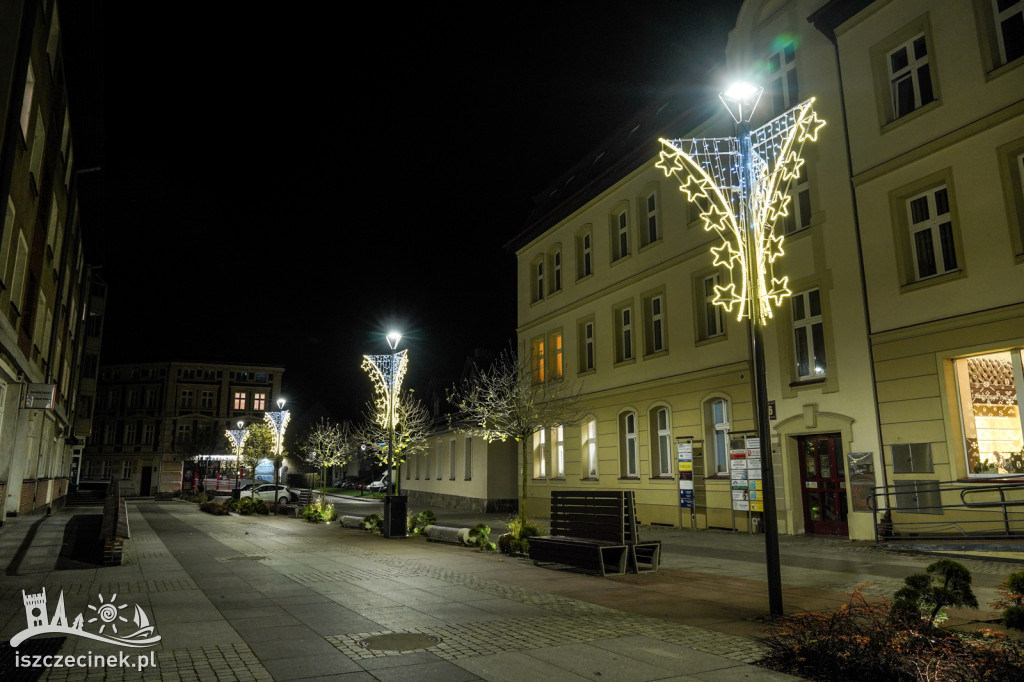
x,y
706,169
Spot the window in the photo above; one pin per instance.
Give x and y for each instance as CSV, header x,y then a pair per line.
x,y
1009,17
654,325
239,402
186,398
586,341
109,433
620,234
931,231
556,271
799,215
149,402
147,434
26,99
105,469
132,400
584,255
537,270
912,458
537,361
451,460
540,454
921,497
126,469
782,84
440,460
716,424
35,162
651,232
259,401
469,459
710,319
559,461
661,442
129,434
17,283
808,335
590,448
989,388
910,76
206,399
627,444
555,345
624,334
184,434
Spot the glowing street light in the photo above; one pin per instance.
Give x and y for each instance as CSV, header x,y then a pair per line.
x,y
387,372
238,437
278,422
742,186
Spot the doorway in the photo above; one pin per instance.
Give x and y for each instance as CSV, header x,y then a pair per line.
x,y
147,481
823,484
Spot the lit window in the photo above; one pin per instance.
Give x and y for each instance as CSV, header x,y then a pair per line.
x,y
661,443
540,453
1009,16
782,84
239,400
808,335
989,391
555,343
590,447
931,231
627,444
259,401
537,360
910,76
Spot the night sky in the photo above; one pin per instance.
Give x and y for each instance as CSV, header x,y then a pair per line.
x,y
284,187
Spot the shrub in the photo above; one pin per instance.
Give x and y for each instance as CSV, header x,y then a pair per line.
x,y
480,536
420,521
865,641
248,506
319,511
373,523
1012,600
945,583
515,540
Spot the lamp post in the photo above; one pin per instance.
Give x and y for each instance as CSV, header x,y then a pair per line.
x,y
238,437
742,185
278,421
387,372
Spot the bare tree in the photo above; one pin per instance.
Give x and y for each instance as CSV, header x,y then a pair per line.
x,y
413,426
328,444
503,402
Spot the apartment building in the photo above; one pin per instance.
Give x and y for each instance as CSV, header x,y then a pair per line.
x,y
935,113
44,277
152,419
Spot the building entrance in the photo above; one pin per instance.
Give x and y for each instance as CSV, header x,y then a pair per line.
x,y
823,484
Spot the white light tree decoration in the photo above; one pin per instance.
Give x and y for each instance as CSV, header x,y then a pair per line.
x,y
237,437
278,422
711,174
386,372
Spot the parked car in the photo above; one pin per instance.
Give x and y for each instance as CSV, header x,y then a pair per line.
x,y
378,486
355,482
268,492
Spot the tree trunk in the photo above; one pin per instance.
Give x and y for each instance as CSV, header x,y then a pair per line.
x,y
526,478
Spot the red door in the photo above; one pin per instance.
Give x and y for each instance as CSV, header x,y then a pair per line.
x,y
823,484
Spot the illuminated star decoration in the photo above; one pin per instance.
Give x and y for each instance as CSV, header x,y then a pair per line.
x,y
386,372
710,175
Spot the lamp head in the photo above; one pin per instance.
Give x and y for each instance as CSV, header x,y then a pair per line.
x,y
280,403
393,339
741,99
240,423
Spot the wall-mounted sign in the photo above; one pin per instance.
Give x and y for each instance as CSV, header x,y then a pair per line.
x,y
40,396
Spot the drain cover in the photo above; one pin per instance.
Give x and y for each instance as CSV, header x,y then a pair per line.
x,y
399,642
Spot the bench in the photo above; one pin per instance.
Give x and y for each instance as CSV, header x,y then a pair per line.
x,y
595,530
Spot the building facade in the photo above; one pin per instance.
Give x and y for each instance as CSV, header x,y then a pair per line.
x,y
893,369
153,420
44,277
935,111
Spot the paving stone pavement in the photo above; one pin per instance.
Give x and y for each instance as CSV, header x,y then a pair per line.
x,y
274,598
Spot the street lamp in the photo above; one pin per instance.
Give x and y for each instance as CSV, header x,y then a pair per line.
x,y
278,421
742,185
238,437
387,372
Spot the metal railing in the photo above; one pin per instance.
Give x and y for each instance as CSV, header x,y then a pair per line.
x,y
922,510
